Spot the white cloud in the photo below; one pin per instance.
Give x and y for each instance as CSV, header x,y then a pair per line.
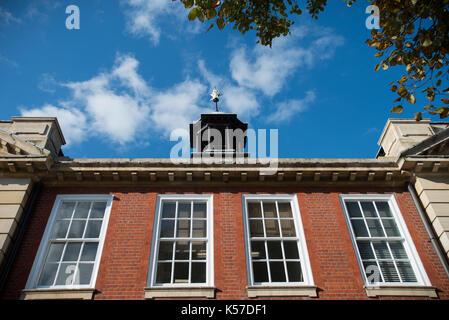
x,y
286,110
7,17
126,70
72,121
144,18
177,107
47,83
114,112
234,98
241,101
119,105
267,69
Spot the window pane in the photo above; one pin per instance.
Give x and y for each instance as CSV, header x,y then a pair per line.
x,y
182,250
98,209
260,272
48,274
60,229
55,252
372,272
294,272
181,273
66,274
368,209
359,228
184,209
384,209
291,250
163,272
274,249
288,228
84,273
199,210
82,210
390,228
366,252
66,210
272,228
277,271
256,228
183,229
269,210
375,228
198,272
199,229
388,271
76,229
72,251
93,229
381,250
398,250
165,250
254,210
353,209
168,209
285,210
89,251
406,271
167,228
199,251
258,250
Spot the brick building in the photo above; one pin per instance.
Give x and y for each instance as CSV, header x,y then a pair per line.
x,y
149,228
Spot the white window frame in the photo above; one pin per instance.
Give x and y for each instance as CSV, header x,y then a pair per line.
x,y
302,245
44,244
410,249
208,198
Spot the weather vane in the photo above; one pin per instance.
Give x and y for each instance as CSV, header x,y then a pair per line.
x,y
215,94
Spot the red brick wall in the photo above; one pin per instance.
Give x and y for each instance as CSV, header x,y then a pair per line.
x,y
125,260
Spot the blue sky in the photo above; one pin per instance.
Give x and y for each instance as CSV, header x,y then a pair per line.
x,y
136,70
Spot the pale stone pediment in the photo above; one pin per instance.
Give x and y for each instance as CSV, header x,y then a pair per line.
x,y
14,145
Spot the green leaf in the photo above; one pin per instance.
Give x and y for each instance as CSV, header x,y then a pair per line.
x,y
193,13
402,91
397,109
380,54
439,110
394,88
428,107
200,16
411,99
403,79
377,67
211,13
220,23
427,42
418,116
444,114
216,4
188,3
445,100
210,27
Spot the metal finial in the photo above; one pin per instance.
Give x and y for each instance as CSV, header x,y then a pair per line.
x,y
215,94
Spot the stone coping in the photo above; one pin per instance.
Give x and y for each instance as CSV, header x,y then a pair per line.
x,y
179,292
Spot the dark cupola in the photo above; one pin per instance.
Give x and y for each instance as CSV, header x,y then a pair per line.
x,y
218,134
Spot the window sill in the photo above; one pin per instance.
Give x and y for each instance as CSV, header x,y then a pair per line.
x,y
401,291
57,294
180,292
282,291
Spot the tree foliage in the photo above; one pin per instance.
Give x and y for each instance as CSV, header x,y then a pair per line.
x,y
413,34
